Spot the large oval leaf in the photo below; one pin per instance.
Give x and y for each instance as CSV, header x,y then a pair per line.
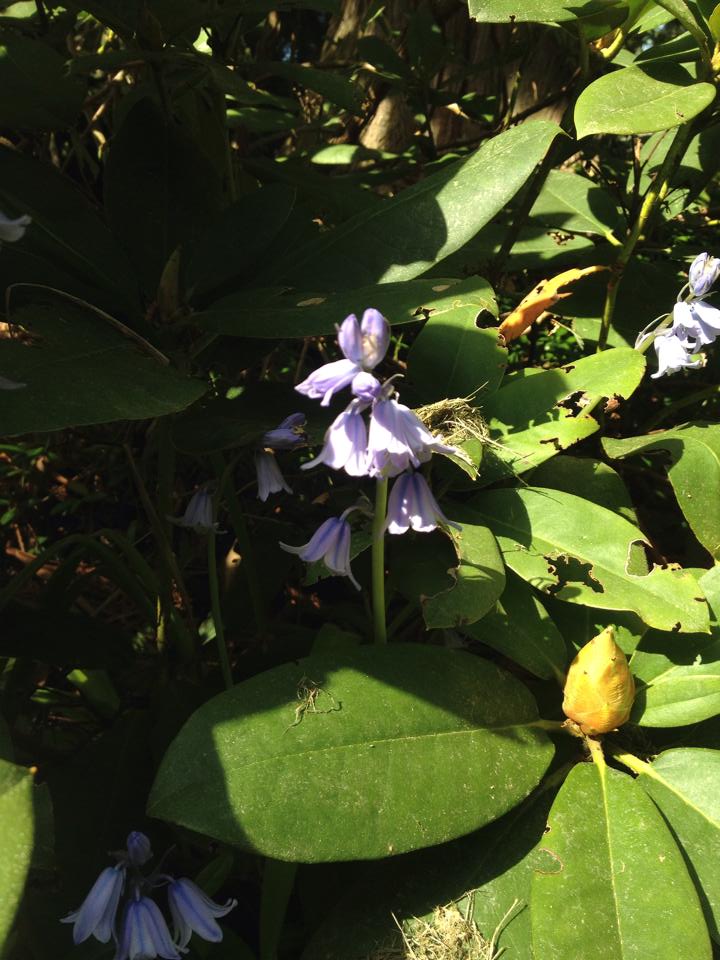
x,y
358,756
619,889
685,784
578,551
641,100
694,473
537,11
402,238
16,840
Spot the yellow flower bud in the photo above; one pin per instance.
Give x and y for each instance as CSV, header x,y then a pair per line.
x,y
599,689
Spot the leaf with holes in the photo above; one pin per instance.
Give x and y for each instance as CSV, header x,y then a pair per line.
x,y
577,551
619,889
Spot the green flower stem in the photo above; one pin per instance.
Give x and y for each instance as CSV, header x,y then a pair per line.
x,y
653,198
378,561
217,611
629,760
237,518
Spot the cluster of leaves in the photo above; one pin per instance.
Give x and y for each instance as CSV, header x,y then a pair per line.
x,y
211,190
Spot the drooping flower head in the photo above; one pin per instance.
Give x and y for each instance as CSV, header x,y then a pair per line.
x,y
411,506
193,910
269,475
398,439
144,933
288,435
6,384
345,446
95,917
13,230
703,273
363,345
198,515
331,544
672,355
695,323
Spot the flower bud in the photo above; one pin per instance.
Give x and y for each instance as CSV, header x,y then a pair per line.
x,y
703,273
599,689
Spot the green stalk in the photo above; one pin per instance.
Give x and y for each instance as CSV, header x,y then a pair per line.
x,y
378,561
653,198
217,611
242,535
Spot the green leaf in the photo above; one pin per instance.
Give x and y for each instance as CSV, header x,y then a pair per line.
x,y
65,232
589,478
79,369
685,784
329,84
400,239
619,889
534,417
453,357
699,164
160,189
16,840
479,579
714,23
577,551
678,683
537,11
37,92
521,629
355,756
482,875
571,202
641,99
694,473
310,314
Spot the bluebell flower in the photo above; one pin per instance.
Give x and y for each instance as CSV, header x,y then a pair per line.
x,y
139,850
702,274
695,323
12,230
345,445
363,346
411,505
198,514
192,910
331,544
365,387
96,915
269,475
398,439
144,934
288,435
672,354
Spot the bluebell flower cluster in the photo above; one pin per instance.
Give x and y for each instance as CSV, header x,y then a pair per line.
x,y
142,932
695,323
394,443
198,515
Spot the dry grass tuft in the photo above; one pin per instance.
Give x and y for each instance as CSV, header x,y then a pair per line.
x,y
454,420
450,934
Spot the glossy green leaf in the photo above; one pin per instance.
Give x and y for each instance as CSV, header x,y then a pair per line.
x,y
43,96
355,755
65,233
575,550
160,189
619,888
694,473
699,164
641,99
312,313
79,369
520,628
400,239
678,680
536,416
685,784
589,478
16,840
571,202
483,874
479,579
537,11
453,357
